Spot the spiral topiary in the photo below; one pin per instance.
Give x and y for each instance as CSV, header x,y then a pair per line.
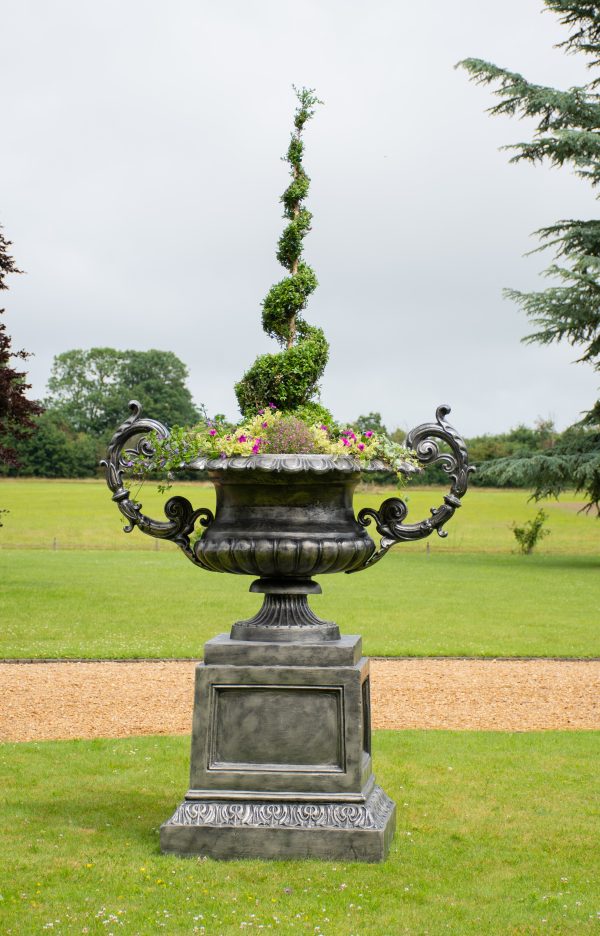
x,y
288,379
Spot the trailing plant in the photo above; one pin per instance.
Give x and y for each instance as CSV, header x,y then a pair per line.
x,y
269,432
528,535
289,378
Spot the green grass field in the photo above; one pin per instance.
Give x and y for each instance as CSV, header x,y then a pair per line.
x,y
116,595
80,514
497,833
111,604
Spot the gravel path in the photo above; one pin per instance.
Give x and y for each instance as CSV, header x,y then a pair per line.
x,y
44,701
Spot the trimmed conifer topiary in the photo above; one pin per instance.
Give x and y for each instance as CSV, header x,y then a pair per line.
x,y
289,378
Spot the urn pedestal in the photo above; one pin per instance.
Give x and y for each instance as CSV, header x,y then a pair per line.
x,y
281,740
281,756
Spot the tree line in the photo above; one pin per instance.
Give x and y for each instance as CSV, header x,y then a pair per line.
x,y
87,398
89,391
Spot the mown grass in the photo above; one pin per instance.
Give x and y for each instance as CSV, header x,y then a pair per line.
x,y
497,833
80,514
148,604
102,593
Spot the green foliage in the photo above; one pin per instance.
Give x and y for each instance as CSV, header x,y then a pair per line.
x,y
372,421
567,133
314,414
89,390
574,461
531,532
289,379
268,432
292,292
53,450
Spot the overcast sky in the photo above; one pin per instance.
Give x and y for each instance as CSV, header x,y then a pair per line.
x,y
141,177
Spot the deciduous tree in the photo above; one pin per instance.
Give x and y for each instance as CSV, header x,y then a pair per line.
x,y
89,389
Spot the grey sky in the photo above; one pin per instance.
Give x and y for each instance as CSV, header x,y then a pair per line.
x,y
141,177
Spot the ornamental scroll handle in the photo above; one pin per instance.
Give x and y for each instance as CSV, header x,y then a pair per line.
x,y
181,516
389,519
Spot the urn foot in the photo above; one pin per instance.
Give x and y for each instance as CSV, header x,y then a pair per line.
x,y
285,615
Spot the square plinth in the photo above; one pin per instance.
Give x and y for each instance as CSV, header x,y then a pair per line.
x,y
281,756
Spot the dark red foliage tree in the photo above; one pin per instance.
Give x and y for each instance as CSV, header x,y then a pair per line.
x,y
16,411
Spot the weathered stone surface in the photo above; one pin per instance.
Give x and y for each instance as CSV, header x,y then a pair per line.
x,y
295,729
281,756
343,652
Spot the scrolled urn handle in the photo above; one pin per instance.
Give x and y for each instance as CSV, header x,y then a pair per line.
x,y
389,519
181,516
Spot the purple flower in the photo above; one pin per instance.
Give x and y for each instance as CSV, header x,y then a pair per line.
x,y
212,432
223,455
242,438
264,425
272,406
368,433
361,446
261,412
324,428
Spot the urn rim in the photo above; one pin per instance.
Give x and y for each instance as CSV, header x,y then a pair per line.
x,y
295,463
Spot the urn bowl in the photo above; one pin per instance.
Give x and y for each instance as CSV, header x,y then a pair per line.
x,y
284,516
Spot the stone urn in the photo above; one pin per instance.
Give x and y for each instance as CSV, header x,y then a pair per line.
x,y
281,740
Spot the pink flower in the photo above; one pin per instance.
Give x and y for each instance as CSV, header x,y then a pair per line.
x,y
324,428
256,446
345,440
368,434
242,438
212,432
361,446
261,412
264,425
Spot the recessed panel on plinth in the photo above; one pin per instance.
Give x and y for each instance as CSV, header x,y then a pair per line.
x,y
251,728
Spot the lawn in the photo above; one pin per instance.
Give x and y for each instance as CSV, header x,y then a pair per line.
x,y
80,514
497,833
114,595
149,604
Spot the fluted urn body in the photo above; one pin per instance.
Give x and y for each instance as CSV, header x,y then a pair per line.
x,y
284,517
